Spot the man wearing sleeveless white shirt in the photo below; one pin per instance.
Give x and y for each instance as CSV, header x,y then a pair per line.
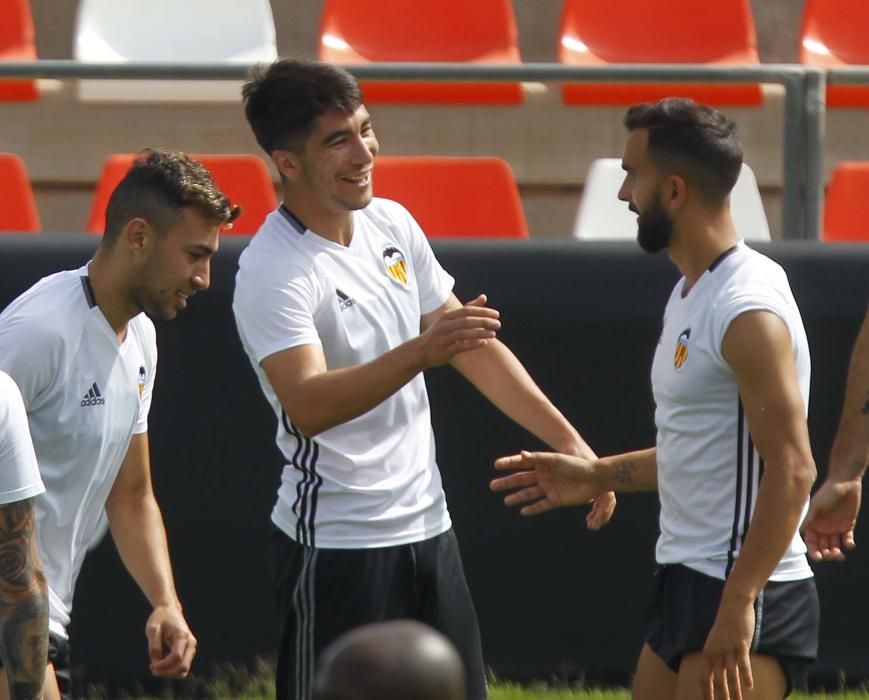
x,y
340,305
735,611
23,593
83,352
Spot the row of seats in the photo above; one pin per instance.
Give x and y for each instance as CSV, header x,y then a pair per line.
x,y
591,32
455,197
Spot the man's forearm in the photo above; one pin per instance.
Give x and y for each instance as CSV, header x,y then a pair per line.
x,y
138,532
496,372
631,471
850,454
23,603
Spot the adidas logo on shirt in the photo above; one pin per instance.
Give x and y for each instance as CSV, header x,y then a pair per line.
x,y
93,397
344,302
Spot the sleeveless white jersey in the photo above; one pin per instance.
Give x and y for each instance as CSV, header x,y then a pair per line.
x,y
372,481
86,394
708,467
19,473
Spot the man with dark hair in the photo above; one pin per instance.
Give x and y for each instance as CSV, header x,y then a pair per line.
x,y
83,352
341,305
735,610
394,660
23,592
829,526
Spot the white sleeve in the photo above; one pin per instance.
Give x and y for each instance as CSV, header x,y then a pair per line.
x,y
30,353
434,283
19,473
147,374
274,315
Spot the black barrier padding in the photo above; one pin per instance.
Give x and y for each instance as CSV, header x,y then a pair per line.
x,y
554,600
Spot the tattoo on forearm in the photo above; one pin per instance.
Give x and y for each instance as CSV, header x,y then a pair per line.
x,y
625,471
23,603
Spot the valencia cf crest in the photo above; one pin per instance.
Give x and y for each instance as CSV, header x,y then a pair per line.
x,y
396,267
142,379
681,348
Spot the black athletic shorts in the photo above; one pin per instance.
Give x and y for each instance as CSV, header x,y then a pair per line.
x,y
685,602
58,656
322,593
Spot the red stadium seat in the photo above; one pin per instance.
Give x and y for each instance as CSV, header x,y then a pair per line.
x,y
17,207
833,34
846,208
481,31
17,44
462,197
243,178
594,33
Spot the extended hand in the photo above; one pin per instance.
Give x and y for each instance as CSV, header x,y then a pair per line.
x,y
727,653
171,644
547,480
829,526
458,330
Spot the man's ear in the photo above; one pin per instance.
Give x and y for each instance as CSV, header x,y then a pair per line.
x,y
675,192
289,164
137,234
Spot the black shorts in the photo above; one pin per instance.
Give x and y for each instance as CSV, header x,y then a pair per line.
x,y
58,657
322,593
685,603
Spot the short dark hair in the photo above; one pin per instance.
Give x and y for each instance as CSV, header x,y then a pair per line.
x,y
158,186
282,101
691,140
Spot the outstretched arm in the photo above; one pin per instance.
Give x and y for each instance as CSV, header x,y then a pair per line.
x,y
496,372
316,398
23,603
542,481
829,527
137,528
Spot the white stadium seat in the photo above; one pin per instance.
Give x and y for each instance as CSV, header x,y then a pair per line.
x,y
170,31
601,216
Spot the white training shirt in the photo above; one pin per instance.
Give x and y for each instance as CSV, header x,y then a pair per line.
x,y
86,395
708,467
372,481
19,474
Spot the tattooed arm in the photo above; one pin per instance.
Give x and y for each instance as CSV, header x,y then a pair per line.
x,y
23,603
829,528
542,481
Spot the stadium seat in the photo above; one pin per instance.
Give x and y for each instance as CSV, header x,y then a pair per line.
x,y
594,33
17,207
833,34
602,216
846,208
243,178
165,31
451,196
17,43
482,31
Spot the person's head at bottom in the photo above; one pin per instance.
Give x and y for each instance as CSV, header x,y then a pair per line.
x,y
395,660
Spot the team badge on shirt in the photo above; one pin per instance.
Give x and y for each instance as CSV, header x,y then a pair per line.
x,y
681,348
142,378
396,267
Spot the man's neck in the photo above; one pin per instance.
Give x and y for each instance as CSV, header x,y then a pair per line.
x,y
331,225
111,292
699,241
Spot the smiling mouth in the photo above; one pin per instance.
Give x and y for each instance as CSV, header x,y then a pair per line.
x,y
361,179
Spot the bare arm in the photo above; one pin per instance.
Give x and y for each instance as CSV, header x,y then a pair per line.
x,y
757,346
23,603
829,527
316,398
137,528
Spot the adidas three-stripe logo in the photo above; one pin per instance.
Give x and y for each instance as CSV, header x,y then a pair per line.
x,y
93,397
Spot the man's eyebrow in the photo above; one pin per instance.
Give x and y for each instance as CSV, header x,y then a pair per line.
x,y
203,249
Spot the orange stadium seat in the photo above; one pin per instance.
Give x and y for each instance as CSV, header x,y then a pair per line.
x,y
17,207
450,196
244,178
482,31
846,208
833,34
17,43
594,33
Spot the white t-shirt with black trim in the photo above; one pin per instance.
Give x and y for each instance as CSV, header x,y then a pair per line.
x,y
372,481
708,467
86,394
19,473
